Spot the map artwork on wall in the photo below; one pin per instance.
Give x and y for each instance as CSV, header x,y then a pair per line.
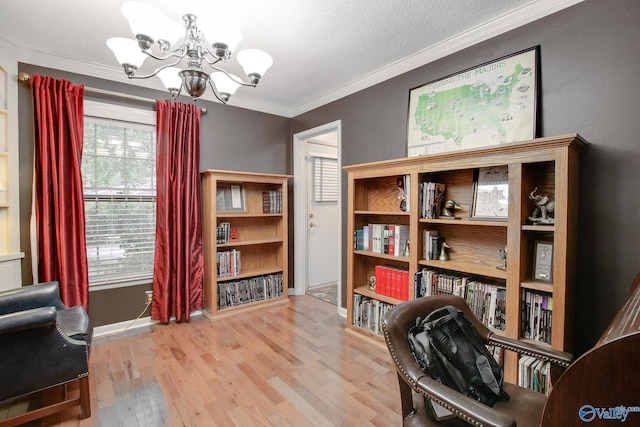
x,y
491,104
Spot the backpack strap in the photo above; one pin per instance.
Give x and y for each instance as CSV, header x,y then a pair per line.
x,y
482,362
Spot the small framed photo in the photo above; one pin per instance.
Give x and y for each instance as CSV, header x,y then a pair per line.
x,y
230,198
491,193
543,261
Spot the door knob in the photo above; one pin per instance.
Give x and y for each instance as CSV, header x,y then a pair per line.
x,y
312,224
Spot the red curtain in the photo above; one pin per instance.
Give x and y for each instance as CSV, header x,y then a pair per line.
x,y
59,203
179,258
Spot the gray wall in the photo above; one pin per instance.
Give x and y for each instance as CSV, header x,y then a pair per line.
x,y
589,67
231,139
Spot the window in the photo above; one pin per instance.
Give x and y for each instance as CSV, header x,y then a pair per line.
x,y
325,179
119,179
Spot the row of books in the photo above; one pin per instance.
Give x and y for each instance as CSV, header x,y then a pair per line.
x,y
431,199
486,299
226,234
537,315
392,282
390,239
238,292
368,312
271,202
404,187
431,244
534,374
228,263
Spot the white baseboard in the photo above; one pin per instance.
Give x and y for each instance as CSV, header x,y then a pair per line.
x,y
117,328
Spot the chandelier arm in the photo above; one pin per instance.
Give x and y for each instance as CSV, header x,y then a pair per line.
x,y
133,76
215,92
177,49
230,76
213,63
164,58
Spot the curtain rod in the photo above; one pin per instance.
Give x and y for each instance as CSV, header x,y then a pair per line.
x,y
25,77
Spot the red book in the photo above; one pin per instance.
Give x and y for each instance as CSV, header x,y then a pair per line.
x,y
405,285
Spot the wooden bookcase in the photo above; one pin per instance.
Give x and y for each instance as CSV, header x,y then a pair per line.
x,y
255,205
550,164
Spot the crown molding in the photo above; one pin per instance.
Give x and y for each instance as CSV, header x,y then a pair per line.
x,y
500,25
71,65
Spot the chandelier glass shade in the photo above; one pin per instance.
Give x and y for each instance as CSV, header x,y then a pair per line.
x,y
186,51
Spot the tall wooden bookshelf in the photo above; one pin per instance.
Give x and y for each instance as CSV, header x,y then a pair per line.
x,y
254,207
550,164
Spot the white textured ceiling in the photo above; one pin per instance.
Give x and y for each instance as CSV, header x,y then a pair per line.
x,y
322,49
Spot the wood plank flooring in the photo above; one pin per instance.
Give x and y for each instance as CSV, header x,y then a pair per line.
x,y
289,365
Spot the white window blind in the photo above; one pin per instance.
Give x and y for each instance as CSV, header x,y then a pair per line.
x,y
325,179
119,179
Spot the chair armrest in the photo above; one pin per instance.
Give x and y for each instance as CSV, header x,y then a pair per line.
x,y
33,296
557,357
462,406
27,319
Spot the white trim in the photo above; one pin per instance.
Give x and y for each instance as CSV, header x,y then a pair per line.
x,y
497,26
299,197
104,110
127,325
526,14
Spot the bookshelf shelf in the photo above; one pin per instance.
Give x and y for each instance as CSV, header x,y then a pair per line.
x,y
394,213
476,245
538,228
476,268
246,215
252,273
383,256
464,222
253,268
364,290
537,286
248,243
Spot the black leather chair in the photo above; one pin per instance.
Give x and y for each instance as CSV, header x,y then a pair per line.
x,y
524,408
43,344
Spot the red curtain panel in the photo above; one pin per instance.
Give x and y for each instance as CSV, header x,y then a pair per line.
x,y
59,203
179,258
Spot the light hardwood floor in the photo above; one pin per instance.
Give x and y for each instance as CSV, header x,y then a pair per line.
x,y
290,365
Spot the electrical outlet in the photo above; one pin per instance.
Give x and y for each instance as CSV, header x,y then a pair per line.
x,y
149,298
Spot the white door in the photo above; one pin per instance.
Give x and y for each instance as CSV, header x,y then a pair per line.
x,y
322,176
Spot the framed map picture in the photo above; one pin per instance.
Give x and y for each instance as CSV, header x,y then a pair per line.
x,y
494,103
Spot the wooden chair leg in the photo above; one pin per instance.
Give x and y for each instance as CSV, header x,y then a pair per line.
x,y
85,398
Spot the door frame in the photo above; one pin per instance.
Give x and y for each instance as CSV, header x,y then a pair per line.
x,y
300,207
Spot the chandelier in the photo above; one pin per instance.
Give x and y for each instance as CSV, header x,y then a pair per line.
x,y
186,49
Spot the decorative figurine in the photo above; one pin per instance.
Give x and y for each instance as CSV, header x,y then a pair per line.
x,y
372,283
449,207
443,252
503,257
543,213
406,249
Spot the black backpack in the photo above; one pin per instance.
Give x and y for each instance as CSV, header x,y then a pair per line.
x,y
448,349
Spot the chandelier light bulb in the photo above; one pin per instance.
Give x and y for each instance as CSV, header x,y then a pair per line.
x,y
127,51
146,20
254,62
223,30
225,84
170,78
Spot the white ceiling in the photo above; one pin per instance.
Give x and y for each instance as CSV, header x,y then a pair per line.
x,y
322,49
